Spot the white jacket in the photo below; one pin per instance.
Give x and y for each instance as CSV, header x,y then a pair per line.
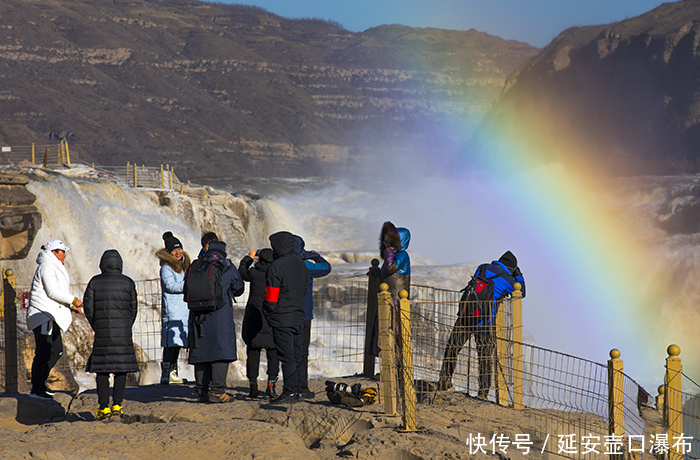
x,y
50,297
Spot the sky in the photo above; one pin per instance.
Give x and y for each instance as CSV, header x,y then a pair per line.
x,y
536,22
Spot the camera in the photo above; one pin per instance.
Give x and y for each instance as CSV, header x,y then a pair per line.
x,y
355,389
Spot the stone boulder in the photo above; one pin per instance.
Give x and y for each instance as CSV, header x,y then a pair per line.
x,y
20,220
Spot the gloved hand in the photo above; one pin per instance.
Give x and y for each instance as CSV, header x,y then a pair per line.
x,y
389,256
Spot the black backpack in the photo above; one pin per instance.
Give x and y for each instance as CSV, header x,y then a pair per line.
x,y
477,293
203,292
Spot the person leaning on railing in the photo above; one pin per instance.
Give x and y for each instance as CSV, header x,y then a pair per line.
x,y
489,284
49,313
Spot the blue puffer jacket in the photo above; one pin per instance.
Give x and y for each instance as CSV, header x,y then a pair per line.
x,y
174,311
317,266
396,269
503,285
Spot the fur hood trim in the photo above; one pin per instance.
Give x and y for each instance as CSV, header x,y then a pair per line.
x,y
178,266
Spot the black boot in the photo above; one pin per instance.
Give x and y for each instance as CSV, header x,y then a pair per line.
x,y
164,373
254,393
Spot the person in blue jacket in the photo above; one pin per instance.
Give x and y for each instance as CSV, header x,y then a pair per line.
x,y
476,316
396,269
317,267
174,262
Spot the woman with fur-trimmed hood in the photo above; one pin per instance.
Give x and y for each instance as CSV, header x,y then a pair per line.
x,y
396,269
174,262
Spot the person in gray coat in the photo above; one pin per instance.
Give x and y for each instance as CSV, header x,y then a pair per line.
x,y
111,306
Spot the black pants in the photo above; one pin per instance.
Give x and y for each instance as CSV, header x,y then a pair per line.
x,y
211,377
290,350
103,388
252,365
49,349
170,355
484,336
304,379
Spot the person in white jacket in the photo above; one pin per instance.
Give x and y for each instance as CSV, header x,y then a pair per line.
x,y
49,312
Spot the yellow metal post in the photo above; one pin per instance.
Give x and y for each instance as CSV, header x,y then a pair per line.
x,y
517,347
170,177
387,376
33,162
616,404
673,415
182,188
409,391
500,360
660,401
65,143
136,172
162,179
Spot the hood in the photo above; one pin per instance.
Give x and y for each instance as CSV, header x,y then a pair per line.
x,y
298,245
43,257
111,261
405,237
266,256
282,244
177,265
394,238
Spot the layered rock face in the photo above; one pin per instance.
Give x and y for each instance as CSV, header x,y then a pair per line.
x,y
228,89
19,218
626,95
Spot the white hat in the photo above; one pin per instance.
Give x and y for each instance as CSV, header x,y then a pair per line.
x,y
54,245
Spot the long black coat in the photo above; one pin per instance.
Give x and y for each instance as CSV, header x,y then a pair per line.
x,y
256,332
212,336
110,306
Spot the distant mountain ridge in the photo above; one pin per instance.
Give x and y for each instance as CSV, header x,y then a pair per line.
x,y
627,94
229,89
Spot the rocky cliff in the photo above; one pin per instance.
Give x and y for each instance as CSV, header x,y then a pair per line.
x,y
230,89
625,94
20,220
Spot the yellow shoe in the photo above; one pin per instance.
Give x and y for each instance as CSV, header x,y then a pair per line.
x,y
117,410
103,414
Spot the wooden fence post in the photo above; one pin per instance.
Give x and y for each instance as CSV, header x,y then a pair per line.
x,y
673,407
616,403
46,158
500,361
65,144
387,376
517,304
372,290
9,296
409,391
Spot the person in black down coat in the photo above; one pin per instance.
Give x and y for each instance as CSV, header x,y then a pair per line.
x,y
284,309
256,332
110,307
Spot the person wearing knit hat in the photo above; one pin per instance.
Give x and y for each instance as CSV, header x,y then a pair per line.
x,y
490,284
174,262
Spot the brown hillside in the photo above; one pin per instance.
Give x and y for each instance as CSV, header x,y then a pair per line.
x,y
229,89
626,94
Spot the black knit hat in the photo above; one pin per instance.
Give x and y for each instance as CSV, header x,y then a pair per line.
x,y
171,242
217,247
509,260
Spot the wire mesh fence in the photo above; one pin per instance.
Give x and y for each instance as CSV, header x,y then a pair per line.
x,y
565,397
50,154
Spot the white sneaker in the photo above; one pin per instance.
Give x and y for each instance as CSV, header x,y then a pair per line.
x,y
174,378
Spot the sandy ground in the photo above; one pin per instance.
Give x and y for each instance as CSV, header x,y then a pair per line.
x,y
167,422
